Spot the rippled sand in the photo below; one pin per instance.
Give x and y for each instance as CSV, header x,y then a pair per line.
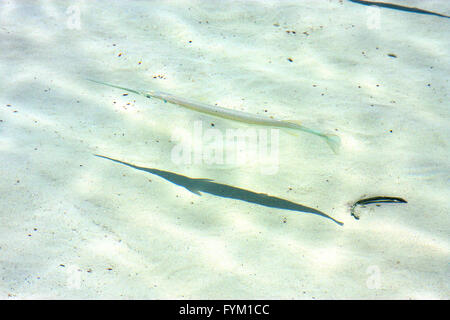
x,y
78,226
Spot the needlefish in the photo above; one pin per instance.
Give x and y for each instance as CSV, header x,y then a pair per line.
x,y
331,139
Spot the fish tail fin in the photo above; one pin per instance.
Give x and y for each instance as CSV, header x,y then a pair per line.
x,y
333,141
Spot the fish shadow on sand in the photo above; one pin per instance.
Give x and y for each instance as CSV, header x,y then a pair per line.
x,y
398,7
226,191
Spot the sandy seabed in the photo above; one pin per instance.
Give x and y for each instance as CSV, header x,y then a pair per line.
x,y
77,226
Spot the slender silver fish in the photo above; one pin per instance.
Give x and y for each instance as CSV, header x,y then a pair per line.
x,y
332,140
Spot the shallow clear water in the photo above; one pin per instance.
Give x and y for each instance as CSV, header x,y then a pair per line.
x,y
74,225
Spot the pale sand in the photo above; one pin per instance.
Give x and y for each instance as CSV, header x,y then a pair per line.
x,y
73,225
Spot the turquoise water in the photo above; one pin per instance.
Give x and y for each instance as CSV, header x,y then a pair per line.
x,y
74,225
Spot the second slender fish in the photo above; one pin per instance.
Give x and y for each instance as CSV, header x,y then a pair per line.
x,y
380,199
332,140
